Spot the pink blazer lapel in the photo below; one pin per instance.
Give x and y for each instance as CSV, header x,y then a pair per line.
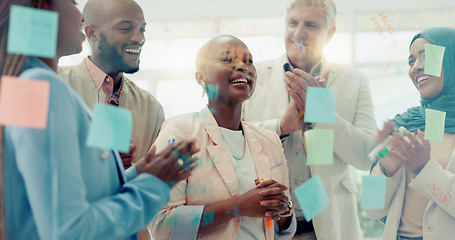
x,y
260,159
219,153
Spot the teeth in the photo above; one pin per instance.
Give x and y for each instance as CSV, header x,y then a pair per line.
x,y
133,50
421,79
241,80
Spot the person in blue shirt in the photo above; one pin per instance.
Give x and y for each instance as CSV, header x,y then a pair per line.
x,y
54,185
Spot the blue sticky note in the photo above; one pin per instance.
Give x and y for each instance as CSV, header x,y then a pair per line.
x,y
373,192
32,32
434,55
319,146
312,197
434,125
111,128
319,105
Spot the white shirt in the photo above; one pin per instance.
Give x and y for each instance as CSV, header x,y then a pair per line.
x,y
250,228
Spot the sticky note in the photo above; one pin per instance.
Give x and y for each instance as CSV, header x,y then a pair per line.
x,y
434,125
111,128
434,55
312,197
24,103
373,192
319,146
32,32
319,105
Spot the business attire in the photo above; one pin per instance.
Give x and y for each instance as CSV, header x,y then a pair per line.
x,y
421,205
92,84
221,177
354,138
57,187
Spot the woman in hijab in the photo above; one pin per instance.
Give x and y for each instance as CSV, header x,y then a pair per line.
x,y
420,173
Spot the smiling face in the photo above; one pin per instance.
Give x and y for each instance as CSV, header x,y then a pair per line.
x,y
227,64
429,86
306,35
118,37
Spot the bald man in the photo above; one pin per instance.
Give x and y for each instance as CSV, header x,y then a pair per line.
x,y
116,41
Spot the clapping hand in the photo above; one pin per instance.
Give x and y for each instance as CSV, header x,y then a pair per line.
x,y
171,165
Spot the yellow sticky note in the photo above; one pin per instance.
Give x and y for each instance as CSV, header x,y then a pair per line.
x,y
434,124
319,146
24,103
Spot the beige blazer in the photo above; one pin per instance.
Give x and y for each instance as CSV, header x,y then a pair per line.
x,y
434,182
354,138
148,114
215,167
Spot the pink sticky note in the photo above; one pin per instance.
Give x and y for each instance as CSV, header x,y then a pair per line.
x,y
24,103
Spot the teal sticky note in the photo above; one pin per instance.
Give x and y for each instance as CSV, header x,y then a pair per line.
x,y
434,55
111,128
319,146
32,32
434,124
373,192
312,197
319,105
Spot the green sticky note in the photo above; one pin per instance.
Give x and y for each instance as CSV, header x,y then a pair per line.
x,y
373,192
32,32
434,124
319,105
111,128
434,55
319,146
312,197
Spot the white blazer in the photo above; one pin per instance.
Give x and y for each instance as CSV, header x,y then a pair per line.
x,y
434,182
354,138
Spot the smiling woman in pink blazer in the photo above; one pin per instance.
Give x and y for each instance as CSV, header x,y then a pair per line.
x,y
223,199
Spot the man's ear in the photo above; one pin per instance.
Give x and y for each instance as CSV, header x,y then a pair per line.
x,y
200,77
91,32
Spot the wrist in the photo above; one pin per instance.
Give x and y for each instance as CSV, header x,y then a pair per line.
x,y
140,166
289,212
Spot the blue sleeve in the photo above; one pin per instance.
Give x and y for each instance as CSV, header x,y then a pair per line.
x,y
131,173
288,233
50,162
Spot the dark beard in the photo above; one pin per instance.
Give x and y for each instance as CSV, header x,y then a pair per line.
x,y
115,60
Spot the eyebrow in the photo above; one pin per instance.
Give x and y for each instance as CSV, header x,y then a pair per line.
x,y
420,52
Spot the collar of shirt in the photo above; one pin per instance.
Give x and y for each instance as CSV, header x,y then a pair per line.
x,y
103,81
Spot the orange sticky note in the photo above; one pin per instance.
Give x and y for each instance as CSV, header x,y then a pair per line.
x,y
24,103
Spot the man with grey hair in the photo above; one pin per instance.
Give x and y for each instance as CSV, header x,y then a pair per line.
x,y
282,88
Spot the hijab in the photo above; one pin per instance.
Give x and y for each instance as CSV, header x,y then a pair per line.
x,y
414,118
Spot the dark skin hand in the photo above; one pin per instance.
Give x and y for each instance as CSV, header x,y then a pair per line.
x,y
266,200
128,158
277,203
165,165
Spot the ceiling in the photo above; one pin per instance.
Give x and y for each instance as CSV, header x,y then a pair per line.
x,y
181,10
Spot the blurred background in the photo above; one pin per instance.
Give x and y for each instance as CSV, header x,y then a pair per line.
x,y
372,36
